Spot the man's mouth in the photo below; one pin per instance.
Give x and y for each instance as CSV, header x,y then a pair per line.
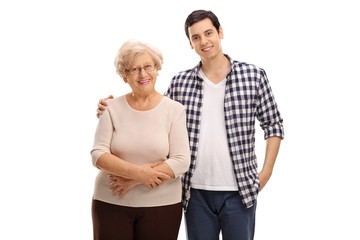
x,y
207,49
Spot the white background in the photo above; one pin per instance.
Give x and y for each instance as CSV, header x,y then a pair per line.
x,y
56,60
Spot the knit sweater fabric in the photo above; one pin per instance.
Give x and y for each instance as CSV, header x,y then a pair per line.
x,y
141,137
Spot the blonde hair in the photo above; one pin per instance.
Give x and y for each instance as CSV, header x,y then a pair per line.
x,y
130,50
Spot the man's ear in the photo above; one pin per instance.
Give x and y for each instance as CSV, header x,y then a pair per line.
x,y
221,33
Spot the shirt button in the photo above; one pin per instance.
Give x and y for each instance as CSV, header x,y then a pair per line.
x,y
197,123
199,105
195,141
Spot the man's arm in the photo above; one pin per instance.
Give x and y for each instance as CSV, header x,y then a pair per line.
x,y
272,149
271,122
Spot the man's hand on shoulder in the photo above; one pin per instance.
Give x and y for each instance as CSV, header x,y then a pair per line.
x,y
102,105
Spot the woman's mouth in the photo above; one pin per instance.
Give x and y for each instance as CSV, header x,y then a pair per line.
x,y
144,82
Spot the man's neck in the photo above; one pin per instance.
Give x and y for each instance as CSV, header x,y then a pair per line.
x,y
216,69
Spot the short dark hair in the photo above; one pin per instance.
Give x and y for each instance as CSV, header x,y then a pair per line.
x,y
199,15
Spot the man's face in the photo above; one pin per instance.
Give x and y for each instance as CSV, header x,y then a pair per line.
x,y
205,39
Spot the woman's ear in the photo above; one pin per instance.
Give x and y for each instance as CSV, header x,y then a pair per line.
x,y
125,80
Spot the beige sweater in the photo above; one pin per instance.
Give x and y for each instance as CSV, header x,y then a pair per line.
x,y
142,137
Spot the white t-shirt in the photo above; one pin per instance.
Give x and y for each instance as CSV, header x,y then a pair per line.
x,y
214,168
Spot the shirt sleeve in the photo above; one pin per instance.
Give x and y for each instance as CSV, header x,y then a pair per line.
x,y
168,91
266,110
103,137
179,156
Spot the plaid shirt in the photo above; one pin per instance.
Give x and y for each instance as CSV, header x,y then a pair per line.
x,y
247,96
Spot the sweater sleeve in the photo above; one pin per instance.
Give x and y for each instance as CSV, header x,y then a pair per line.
x,y
103,137
179,156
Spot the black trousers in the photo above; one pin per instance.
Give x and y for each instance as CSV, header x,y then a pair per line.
x,y
113,222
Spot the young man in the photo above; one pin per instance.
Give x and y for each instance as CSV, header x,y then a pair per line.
x,y
222,98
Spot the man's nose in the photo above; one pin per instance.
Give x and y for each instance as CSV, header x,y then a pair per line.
x,y
204,41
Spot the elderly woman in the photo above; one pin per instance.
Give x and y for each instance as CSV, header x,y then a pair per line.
x,y
141,148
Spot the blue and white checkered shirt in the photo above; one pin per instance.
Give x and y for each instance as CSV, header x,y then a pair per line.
x,y
247,96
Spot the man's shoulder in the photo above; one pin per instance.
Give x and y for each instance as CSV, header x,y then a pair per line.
x,y
244,66
247,71
186,74
182,83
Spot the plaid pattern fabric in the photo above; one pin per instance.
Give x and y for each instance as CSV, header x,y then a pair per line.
x,y
247,96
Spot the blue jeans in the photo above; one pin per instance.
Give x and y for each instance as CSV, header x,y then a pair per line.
x,y
211,211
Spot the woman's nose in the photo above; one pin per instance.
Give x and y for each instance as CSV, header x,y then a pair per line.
x,y
142,72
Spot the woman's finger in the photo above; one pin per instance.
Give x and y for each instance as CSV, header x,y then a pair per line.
x,y
116,190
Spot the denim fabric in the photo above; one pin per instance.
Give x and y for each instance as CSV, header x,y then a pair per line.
x,y
210,212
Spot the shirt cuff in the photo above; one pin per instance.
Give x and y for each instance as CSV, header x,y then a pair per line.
x,y
276,130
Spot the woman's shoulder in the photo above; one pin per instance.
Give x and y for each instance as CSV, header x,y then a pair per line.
x,y
174,108
116,103
173,104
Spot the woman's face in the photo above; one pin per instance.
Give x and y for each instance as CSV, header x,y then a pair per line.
x,y
142,74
